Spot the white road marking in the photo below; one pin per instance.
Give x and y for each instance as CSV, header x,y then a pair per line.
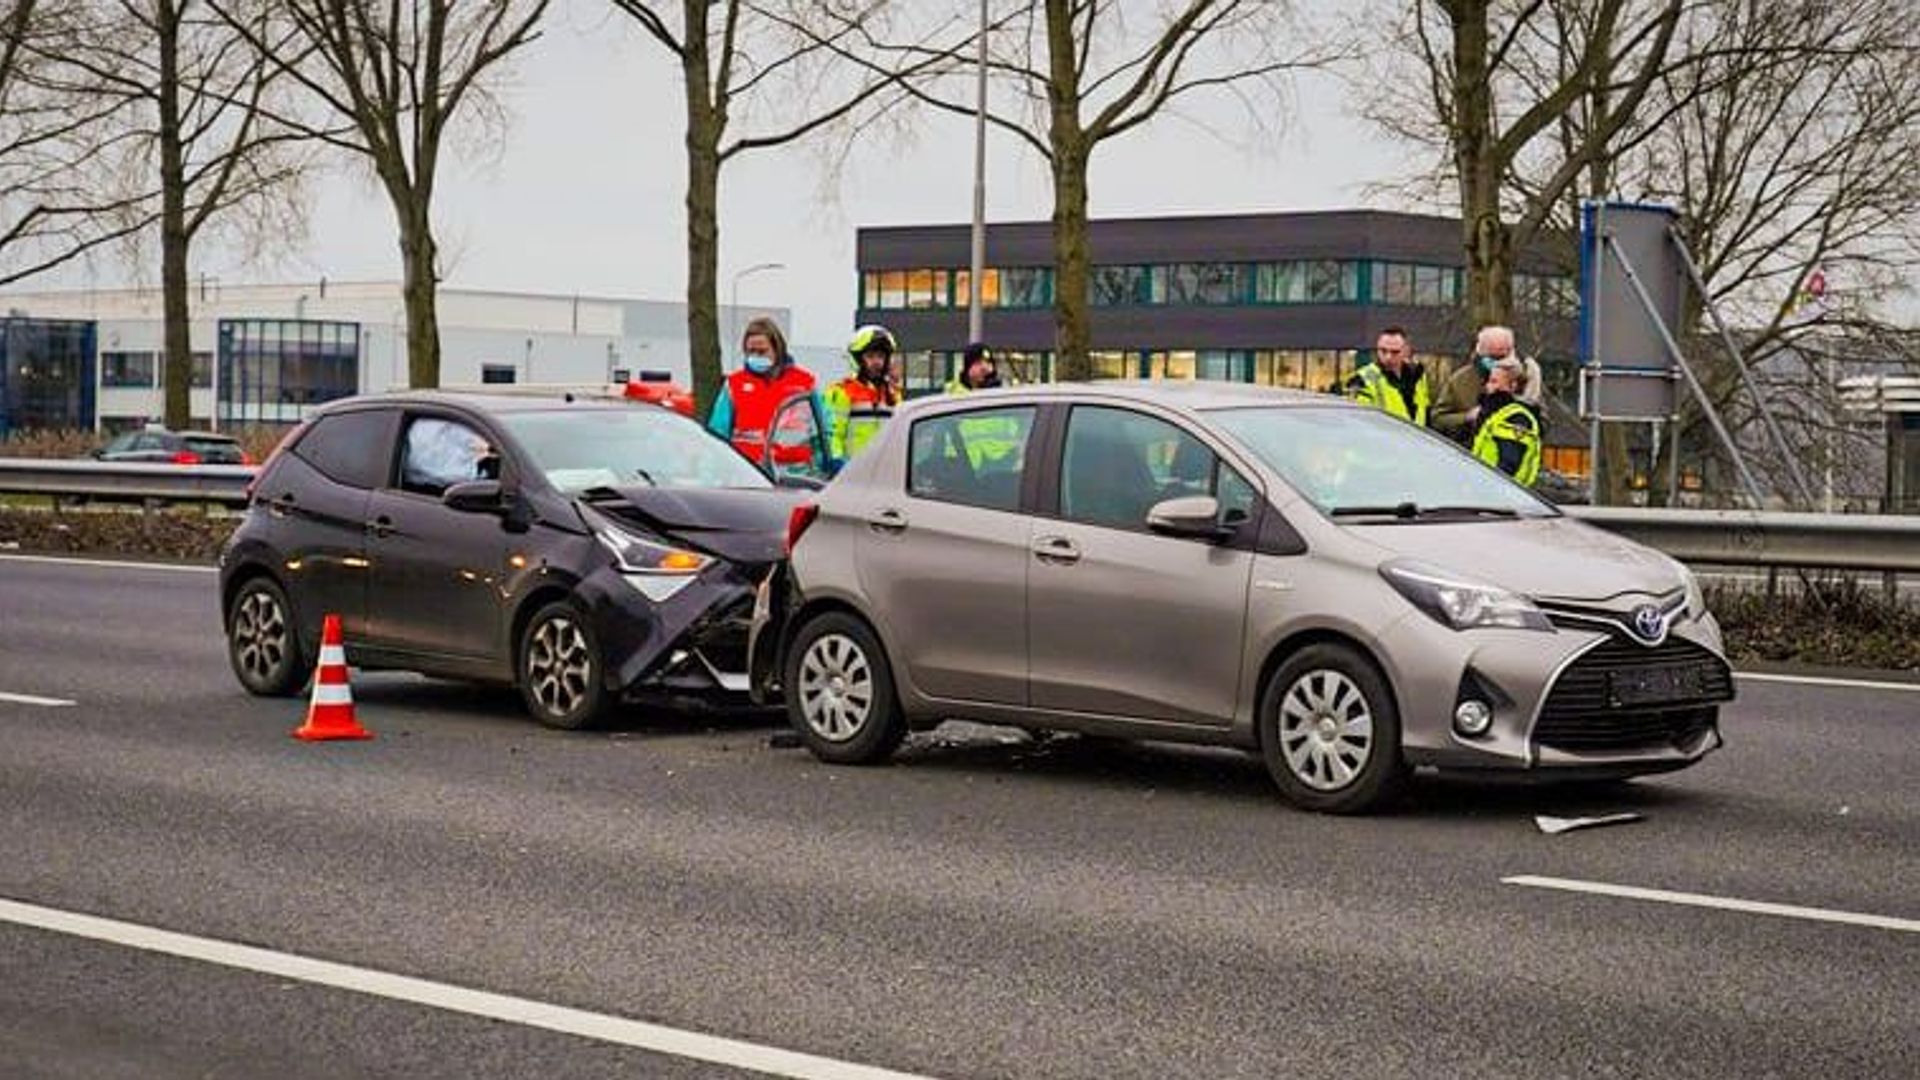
x,y
1724,903
111,563
1822,680
29,699
658,1038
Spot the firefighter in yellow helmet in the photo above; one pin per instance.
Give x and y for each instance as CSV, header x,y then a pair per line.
x,y
858,404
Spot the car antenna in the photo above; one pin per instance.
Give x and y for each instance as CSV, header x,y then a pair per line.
x,y
569,397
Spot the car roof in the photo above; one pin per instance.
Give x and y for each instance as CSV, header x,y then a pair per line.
x,y
1189,394
482,402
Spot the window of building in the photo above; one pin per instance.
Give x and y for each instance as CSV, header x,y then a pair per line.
x,y
893,289
1330,281
495,374
1111,364
1184,364
1225,366
1327,369
974,458
128,369
1280,367
1026,286
271,370
351,448
989,288
1122,286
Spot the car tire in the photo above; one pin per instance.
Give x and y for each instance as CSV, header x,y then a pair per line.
x,y
263,640
840,694
559,670
1330,732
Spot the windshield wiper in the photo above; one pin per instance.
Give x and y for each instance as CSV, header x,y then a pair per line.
x,y
600,493
645,475
1398,510
1408,511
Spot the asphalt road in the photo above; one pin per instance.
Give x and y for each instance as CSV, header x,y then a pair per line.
x,y
984,907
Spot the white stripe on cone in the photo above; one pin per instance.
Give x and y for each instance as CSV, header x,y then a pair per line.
x,y
333,656
332,694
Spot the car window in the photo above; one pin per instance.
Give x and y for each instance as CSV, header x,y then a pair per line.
x,y
439,453
1120,463
215,451
351,448
976,458
121,444
149,442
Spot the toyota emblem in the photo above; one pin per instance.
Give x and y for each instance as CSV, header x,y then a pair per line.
x,y
1650,623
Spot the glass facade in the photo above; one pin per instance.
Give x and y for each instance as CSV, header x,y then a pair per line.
x,y
1324,370
46,374
136,369
273,370
1211,284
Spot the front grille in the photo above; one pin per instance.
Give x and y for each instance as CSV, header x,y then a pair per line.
x,y
1583,712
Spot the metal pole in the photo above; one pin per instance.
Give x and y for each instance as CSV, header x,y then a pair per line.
x,y
1596,382
976,317
733,301
1746,377
1673,350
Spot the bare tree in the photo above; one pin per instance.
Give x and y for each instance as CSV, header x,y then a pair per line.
x,y
1074,74
755,74
58,134
199,146
387,82
1488,104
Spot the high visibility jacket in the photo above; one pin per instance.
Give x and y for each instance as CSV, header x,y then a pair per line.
x,y
1515,429
1372,386
855,410
747,406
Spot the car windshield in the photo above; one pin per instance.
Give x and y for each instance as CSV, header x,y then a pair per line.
x,y
1355,463
578,449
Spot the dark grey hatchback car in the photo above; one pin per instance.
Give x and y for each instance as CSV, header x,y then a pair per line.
x,y
586,552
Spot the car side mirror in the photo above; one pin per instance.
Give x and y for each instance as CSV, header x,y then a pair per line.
x,y
476,496
1193,517
98,453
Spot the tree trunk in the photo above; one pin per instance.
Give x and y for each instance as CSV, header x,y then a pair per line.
x,y
1487,243
703,253
1072,267
177,367
421,291
1071,149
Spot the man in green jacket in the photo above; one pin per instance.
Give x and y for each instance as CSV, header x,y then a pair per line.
x,y
1457,412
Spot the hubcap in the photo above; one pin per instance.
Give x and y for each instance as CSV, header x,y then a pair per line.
x,y
836,688
260,636
559,666
1326,730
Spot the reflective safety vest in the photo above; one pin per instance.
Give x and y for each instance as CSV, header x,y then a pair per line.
x,y
1380,391
855,411
747,407
1513,423
989,438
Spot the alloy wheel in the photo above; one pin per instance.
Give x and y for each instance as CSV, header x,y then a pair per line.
x,y
261,640
1326,730
559,666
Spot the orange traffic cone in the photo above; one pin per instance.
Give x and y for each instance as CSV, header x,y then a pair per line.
x,y
330,715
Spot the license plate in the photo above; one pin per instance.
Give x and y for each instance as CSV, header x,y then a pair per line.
x,y
1657,685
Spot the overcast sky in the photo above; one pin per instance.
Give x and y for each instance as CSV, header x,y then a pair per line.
x,y
585,193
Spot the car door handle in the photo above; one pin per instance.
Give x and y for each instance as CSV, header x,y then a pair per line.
x,y
283,505
1056,549
380,527
888,521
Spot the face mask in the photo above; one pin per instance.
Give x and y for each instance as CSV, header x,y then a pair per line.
x,y
1486,365
758,364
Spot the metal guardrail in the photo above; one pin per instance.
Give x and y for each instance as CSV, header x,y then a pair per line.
x,y
116,481
1883,542
1873,542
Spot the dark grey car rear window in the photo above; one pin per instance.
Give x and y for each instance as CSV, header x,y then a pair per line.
x,y
351,448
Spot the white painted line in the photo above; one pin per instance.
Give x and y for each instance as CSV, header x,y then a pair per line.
x,y
1724,903
1822,680
590,1025
29,699
111,563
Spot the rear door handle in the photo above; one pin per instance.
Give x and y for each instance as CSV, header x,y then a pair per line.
x,y
888,521
381,527
283,505
1056,549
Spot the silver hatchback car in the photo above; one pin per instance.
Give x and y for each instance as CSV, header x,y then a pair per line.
x,y
1348,595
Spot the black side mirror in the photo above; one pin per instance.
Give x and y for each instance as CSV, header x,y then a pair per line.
x,y
476,496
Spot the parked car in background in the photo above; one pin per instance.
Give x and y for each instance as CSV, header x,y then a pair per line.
x,y
1347,595
587,552
160,446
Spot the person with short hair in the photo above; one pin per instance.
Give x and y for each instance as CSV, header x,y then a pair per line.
x,y
1394,383
1456,414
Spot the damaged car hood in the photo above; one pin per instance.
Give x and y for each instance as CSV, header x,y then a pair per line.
x,y
742,525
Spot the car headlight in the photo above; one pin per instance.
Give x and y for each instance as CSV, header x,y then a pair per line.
x,y
1460,602
657,570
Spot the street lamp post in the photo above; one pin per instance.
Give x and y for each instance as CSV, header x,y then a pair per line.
x,y
733,303
976,319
